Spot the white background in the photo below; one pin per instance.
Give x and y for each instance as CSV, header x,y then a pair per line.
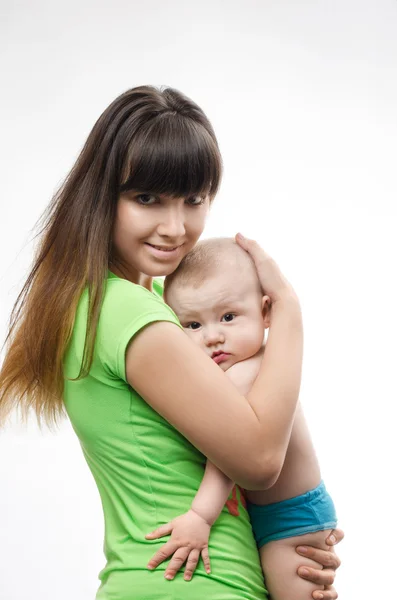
x,y
303,98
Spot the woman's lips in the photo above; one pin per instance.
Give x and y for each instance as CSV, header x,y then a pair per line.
x,y
166,252
219,357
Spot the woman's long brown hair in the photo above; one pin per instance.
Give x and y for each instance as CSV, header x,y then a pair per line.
x,y
148,139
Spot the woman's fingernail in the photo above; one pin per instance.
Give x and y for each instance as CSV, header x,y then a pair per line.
x,y
304,572
333,540
240,235
320,596
150,567
302,549
168,576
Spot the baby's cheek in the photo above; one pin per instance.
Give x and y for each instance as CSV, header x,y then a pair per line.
x,y
251,343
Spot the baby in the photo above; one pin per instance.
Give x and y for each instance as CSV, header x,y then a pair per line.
x,y
217,297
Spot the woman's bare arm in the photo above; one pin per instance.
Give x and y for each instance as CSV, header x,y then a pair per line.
x,y
245,440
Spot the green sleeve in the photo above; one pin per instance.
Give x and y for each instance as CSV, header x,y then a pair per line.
x,y
126,309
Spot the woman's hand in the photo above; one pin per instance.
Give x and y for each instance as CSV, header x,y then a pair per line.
x,y
330,562
189,539
273,282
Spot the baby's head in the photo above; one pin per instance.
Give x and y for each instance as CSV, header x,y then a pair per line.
x,y
218,299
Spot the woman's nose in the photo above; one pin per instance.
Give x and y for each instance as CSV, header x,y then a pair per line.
x,y
172,224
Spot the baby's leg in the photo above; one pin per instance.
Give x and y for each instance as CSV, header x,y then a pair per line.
x,y
280,562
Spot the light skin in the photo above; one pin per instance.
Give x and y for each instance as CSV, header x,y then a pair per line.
x,y
221,317
228,322
195,394
146,223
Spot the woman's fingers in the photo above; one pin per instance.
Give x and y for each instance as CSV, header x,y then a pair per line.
x,y
160,531
327,558
323,577
162,554
251,246
176,562
330,562
335,537
272,280
329,593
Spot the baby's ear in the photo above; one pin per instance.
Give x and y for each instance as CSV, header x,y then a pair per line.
x,y
266,305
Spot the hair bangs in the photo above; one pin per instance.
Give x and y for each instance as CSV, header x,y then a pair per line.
x,y
173,155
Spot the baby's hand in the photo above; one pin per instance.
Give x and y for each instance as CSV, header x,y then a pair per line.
x,y
189,538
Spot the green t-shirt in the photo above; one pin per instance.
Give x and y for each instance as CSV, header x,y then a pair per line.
x,y
147,473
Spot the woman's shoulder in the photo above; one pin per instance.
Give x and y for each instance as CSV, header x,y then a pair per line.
x,y
122,298
126,309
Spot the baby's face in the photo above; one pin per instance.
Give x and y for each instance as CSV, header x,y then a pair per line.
x,y
224,316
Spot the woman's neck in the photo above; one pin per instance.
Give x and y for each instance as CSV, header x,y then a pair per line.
x,y
131,275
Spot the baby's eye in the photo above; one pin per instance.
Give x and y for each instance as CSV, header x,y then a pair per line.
x,y
193,325
228,317
195,200
146,199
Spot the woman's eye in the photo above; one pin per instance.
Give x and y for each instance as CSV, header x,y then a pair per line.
x,y
193,325
146,199
228,317
195,200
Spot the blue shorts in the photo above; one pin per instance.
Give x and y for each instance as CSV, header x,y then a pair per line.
x,y
313,511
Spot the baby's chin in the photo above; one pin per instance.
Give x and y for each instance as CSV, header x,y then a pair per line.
x,y
227,364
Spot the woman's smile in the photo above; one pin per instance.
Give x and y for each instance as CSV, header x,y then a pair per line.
x,y
152,239
164,252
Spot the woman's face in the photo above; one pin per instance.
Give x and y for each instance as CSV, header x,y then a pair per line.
x,y
153,232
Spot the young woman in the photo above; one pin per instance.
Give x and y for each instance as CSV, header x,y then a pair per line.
x,y
91,334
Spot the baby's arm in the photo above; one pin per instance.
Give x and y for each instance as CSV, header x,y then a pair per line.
x,y
212,494
190,531
216,486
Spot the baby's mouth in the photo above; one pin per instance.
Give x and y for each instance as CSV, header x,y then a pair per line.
x,y
220,356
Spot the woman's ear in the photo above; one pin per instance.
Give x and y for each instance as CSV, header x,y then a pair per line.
x,y
266,306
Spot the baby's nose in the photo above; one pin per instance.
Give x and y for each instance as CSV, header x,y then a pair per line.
x,y
213,335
